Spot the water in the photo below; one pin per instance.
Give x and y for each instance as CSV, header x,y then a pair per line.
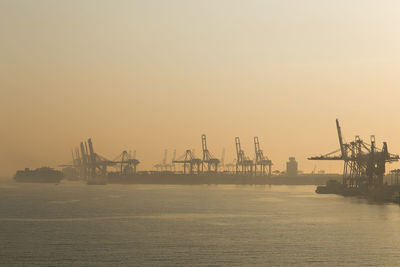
x,y
74,224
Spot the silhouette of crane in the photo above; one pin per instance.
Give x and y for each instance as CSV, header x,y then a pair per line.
x,y
364,164
127,164
89,164
191,164
163,166
244,165
209,161
261,161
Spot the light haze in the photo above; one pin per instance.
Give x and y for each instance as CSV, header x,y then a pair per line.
x,y
154,75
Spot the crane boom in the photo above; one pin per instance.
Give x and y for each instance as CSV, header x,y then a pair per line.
x,y
339,131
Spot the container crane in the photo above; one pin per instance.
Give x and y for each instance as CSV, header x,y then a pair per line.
x,y
261,161
126,163
191,164
364,163
163,166
244,165
209,161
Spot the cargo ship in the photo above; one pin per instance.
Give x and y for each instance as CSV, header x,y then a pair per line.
x,y
40,175
382,193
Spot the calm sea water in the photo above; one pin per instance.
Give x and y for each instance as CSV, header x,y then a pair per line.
x,y
73,224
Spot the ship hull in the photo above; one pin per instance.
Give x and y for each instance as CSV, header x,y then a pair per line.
x,y
383,193
38,179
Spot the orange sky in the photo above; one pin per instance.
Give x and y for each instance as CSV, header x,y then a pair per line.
x,y
154,75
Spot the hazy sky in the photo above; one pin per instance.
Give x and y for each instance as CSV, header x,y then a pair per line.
x,y
154,75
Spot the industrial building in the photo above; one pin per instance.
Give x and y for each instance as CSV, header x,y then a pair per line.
x,y
292,167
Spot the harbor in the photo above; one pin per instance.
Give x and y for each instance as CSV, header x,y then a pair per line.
x,y
188,169
364,172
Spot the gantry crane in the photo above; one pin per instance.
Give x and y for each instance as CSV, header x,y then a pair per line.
x,y
126,163
191,164
172,164
261,161
163,166
89,164
244,165
208,160
364,164
96,163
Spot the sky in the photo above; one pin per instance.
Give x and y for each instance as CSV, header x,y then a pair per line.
x,y
154,75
